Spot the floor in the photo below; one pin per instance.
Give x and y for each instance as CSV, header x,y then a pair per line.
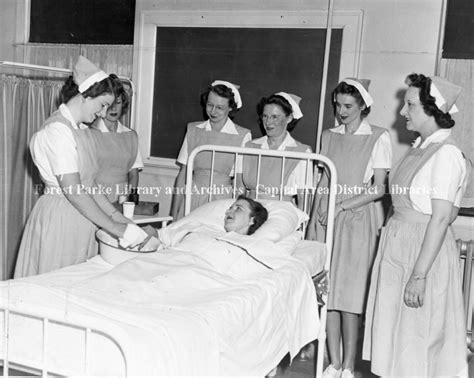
x,y
306,369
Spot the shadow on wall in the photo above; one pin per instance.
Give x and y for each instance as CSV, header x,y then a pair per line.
x,y
404,136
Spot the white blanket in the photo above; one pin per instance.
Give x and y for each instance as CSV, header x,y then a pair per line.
x,y
174,313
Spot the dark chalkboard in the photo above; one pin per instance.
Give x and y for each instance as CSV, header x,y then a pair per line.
x,y
82,21
459,30
261,60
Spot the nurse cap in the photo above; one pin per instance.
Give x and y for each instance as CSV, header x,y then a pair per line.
x,y
86,74
445,94
294,101
233,87
362,85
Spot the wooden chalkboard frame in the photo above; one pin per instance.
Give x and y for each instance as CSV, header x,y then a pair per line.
x,y
145,49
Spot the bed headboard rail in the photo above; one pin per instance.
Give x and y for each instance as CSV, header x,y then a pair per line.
x,y
313,163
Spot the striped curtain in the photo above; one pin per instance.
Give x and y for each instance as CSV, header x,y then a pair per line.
x,y
24,105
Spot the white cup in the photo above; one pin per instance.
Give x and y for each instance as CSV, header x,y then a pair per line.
x,y
128,209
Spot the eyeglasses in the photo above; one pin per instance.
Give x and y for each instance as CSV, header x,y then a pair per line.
x,y
220,108
271,117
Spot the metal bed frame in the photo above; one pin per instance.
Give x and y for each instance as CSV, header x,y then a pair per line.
x,y
41,367
310,158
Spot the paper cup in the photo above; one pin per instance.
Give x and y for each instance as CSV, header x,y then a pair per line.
x,y
128,209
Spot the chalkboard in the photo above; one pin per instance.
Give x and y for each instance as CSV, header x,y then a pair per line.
x,y
82,21
262,61
459,30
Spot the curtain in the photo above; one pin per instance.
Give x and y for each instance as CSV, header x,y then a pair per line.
x,y
461,72
24,105
115,59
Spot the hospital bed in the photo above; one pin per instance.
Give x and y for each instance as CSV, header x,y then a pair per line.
x,y
168,313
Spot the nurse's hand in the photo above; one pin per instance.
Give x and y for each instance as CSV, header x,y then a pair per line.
x,y
118,217
133,236
415,291
323,219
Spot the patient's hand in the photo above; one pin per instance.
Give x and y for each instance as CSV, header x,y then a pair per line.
x,y
152,231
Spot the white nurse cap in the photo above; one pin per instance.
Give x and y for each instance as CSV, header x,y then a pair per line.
x,y
86,74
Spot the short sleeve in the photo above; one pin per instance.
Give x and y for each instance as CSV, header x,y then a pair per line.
x,y
382,152
183,153
247,138
59,147
448,173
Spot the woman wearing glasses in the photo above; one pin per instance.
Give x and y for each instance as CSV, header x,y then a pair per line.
x,y
279,114
221,102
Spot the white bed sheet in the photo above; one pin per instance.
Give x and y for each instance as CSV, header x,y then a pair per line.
x,y
312,254
172,314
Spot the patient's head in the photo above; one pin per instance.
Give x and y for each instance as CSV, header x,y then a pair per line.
x,y
245,216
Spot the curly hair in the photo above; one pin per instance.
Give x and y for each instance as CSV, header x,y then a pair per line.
x,y
221,91
257,211
428,102
344,88
282,103
70,89
120,91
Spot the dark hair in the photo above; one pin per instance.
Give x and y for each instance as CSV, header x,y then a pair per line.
x,y
282,103
70,89
120,91
423,83
344,88
257,211
222,91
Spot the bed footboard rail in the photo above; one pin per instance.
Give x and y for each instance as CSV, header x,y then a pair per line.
x,y
43,367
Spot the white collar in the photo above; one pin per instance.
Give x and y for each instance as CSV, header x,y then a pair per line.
x,y
100,125
228,128
437,137
66,113
287,142
364,129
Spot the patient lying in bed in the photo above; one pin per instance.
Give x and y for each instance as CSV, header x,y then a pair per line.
x,y
244,217
230,250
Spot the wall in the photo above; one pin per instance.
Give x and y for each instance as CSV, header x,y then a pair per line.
x,y
399,37
12,19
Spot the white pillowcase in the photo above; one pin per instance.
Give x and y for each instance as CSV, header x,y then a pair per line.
x,y
283,217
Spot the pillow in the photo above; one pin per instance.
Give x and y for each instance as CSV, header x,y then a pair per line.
x,y
283,217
